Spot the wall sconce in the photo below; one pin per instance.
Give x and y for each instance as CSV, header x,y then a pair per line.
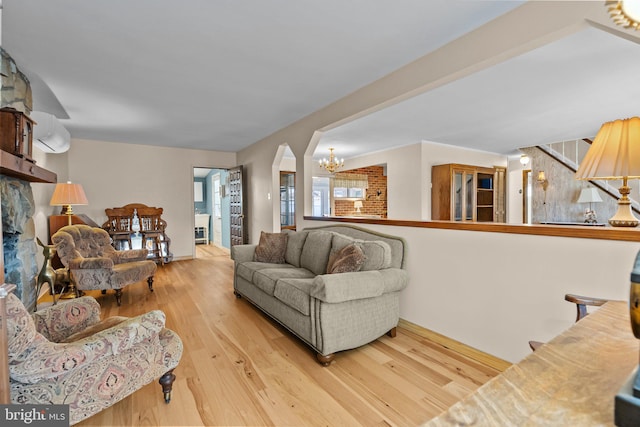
x,y
357,205
542,180
524,160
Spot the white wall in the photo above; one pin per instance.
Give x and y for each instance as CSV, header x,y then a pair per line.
x,y
42,194
115,174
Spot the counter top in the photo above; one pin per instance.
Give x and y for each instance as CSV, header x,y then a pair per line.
x,y
571,380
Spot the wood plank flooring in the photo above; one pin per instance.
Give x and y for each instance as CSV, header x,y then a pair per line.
x,y
239,368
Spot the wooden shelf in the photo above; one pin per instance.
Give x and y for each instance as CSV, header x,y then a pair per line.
x,y
18,167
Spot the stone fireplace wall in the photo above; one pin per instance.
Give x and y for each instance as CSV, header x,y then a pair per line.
x,y
18,231
18,238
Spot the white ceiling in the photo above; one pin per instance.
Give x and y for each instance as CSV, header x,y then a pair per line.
x,y
224,74
559,92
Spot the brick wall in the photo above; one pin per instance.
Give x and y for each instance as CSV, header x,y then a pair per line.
x,y
375,202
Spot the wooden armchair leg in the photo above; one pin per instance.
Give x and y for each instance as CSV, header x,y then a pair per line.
x,y
392,332
150,282
166,381
119,296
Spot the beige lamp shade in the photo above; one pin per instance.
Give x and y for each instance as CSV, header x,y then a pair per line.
x,y
615,154
66,195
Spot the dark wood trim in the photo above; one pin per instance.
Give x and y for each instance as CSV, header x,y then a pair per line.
x,y
21,168
575,231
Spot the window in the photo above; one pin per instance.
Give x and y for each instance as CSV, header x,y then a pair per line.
x,y
350,186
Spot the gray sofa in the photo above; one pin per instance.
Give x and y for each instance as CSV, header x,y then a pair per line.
x,y
329,312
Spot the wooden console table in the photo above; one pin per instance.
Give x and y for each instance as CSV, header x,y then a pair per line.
x,y
571,380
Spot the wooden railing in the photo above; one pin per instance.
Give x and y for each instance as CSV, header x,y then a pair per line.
x,y
583,232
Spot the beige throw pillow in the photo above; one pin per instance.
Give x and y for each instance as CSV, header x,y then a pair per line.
x,y
271,248
347,260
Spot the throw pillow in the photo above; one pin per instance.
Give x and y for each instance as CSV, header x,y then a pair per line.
x,y
347,260
271,248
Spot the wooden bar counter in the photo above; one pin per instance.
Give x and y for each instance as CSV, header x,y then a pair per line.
x,y
570,381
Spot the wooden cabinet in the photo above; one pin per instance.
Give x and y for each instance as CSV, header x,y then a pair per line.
x,y
468,193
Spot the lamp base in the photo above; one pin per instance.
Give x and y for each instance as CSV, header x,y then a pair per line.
x,y
624,217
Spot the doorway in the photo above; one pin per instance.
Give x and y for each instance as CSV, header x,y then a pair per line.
x,y
211,210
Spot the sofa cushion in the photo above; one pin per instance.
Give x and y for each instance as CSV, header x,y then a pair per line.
x,y
271,248
266,279
247,269
349,259
315,253
295,243
339,241
377,255
295,293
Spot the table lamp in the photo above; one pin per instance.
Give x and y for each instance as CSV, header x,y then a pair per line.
x,y
615,154
358,205
590,195
67,195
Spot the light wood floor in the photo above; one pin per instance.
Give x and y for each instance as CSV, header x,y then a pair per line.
x,y
240,368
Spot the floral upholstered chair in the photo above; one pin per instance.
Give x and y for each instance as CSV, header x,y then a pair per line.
x,y
64,354
95,264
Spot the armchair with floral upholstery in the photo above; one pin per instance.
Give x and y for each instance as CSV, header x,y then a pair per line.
x,y
64,354
95,264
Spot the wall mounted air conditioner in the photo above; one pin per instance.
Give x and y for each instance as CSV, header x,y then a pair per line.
x,y
48,134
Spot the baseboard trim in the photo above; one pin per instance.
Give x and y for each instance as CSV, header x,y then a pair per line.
x,y
457,346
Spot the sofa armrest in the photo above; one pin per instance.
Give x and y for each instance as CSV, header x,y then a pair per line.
x,y
394,279
59,321
131,255
50,360
335,288
126,334
90,263
242,253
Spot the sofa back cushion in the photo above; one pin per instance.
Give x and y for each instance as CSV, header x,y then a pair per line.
x,y
377,253
315,252
295,243
397,244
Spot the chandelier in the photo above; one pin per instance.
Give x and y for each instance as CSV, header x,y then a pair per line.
x,y
333,164
625,13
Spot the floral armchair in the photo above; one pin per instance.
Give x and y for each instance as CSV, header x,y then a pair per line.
x,y
95,264
64,354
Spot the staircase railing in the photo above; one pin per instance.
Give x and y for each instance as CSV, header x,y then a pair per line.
x,y
571,153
